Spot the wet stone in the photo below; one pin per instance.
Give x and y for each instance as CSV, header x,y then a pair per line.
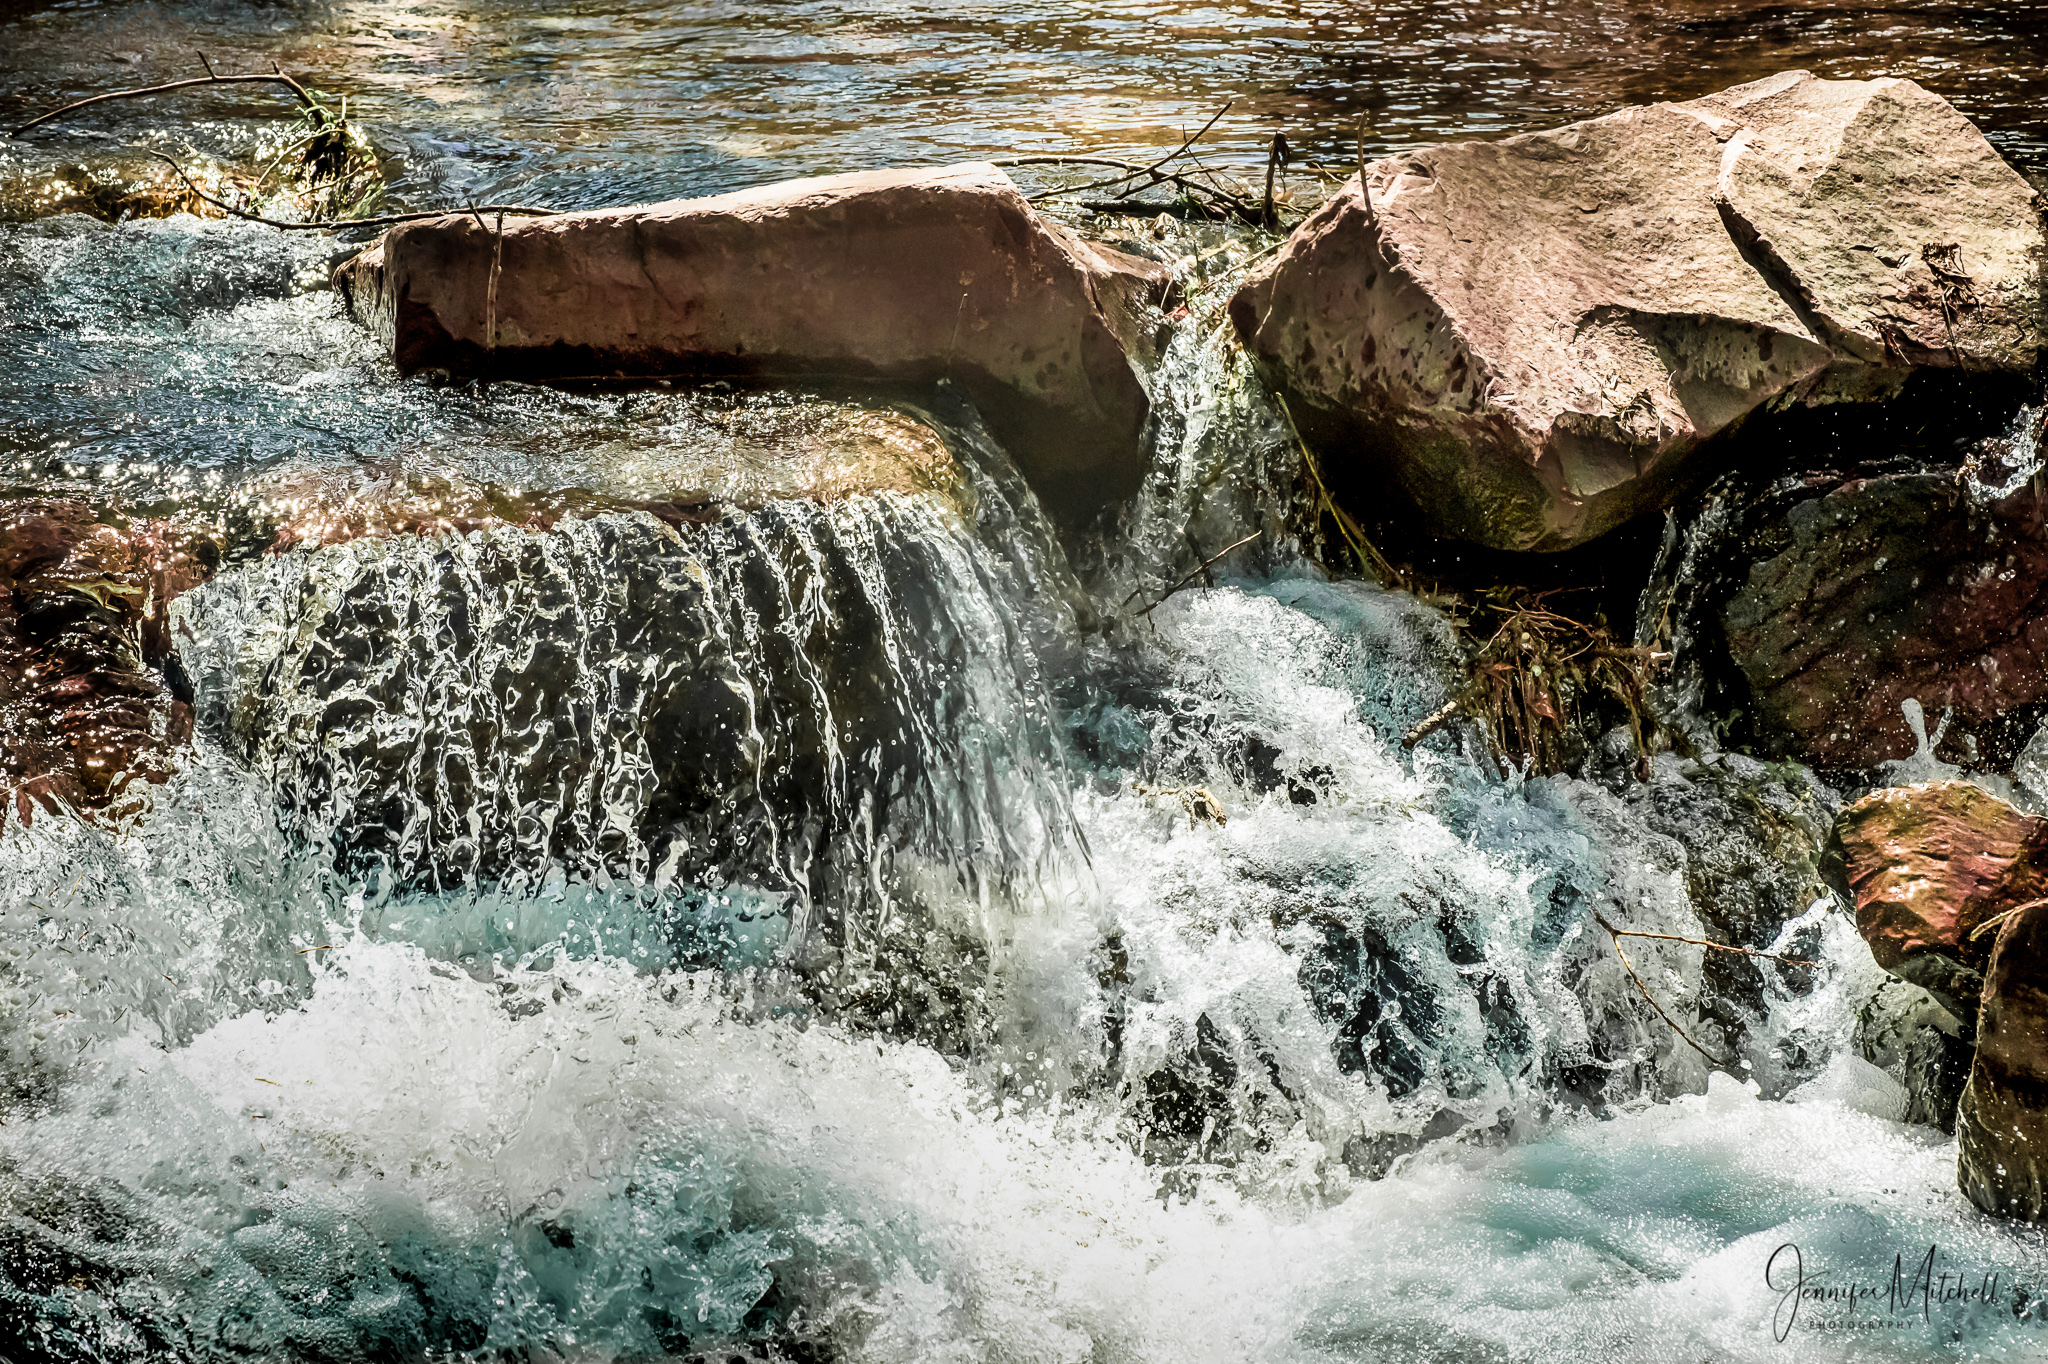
x,y
92,693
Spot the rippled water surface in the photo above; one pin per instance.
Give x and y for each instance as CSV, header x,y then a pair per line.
x,y
596,103
675,871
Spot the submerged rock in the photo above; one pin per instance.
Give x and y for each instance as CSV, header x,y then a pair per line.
x,y
1909,1035
2002,1126
903,276
1539,338
91,695
1930,866
112,187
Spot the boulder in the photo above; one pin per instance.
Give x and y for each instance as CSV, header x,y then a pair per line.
x,y
896,276
1929,866
2002,1124
1539,338
1865,593
1838,617
90,692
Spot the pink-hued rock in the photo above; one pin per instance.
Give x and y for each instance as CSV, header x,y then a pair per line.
x,y
2002,1123
86,705
912,276
1536,337
1929,865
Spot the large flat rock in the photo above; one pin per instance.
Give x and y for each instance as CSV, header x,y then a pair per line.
x,y
1540,338
903,276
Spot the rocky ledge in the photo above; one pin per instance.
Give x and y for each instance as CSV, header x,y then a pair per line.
x,y
901,276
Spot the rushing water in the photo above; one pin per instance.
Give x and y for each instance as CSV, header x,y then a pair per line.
x,y
756,918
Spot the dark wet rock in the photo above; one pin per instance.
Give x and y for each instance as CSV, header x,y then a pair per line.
x,y
2002,1124
1929,866
1755,841
777,702
900,276
92,695
1179,1105
1539,338
1912,1037
1855,595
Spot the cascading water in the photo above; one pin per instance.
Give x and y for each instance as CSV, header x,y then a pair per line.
x,y
776,930
709,901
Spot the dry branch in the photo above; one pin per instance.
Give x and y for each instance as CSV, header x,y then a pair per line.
x,y
1615,937
1185,143
277,77
1243,209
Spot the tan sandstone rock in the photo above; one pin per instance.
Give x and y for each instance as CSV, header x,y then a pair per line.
x,y
1535,338
913,276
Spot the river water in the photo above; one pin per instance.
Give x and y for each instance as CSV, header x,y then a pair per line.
x,y
784,932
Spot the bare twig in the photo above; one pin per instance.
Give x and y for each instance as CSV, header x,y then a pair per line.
x,y
299,92
1236,205
1614,935
329,224
1186,142
1276,157
1365,190
1197,571
497,264
1702,942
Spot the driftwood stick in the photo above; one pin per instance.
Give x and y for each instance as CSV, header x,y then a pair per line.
x,y
1236,204
1434,721
1364,190
1275,157
299,92
329,224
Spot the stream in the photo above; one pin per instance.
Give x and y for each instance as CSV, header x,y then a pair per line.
x,y
800,930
